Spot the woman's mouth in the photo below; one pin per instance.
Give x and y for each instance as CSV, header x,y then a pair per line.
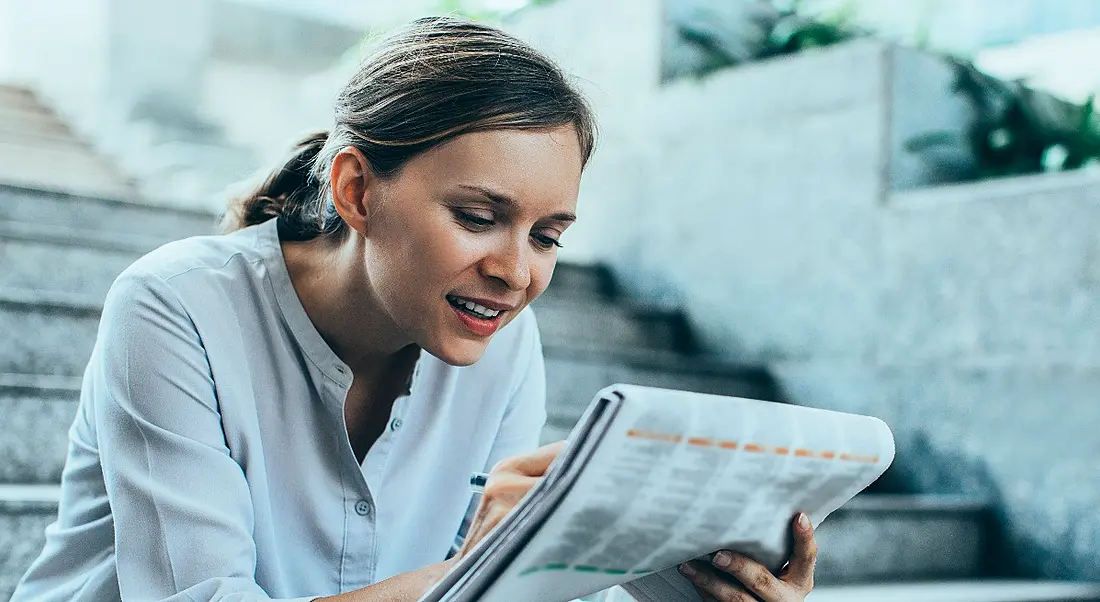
x,y
477,318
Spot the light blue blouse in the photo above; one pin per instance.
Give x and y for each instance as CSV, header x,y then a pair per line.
x,y
209,458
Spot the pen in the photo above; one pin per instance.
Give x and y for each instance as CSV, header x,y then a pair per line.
x,y
477,481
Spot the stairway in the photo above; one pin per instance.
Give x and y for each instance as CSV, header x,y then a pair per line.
x,y
38,149
59,252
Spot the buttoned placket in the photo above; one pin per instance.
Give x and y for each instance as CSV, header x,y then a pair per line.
x,y
361,521
374,464
361,560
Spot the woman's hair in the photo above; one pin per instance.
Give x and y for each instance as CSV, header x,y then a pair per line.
x,y
433,80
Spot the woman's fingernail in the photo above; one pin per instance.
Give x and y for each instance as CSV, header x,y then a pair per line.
x,y
803,520
687,570
722,559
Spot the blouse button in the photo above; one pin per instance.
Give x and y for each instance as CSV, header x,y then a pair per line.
x,y
362,508
396,424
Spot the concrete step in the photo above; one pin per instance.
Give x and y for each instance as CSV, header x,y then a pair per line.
x,y
28,112
37,412
17,97
888,538
47,333
38,150
577,281
101,214
961,591
18,125
60,167
608,325
573,376
25,510
78,261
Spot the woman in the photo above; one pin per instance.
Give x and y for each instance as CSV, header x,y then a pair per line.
x,y
291,410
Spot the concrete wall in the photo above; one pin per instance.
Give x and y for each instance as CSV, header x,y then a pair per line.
x,y
767,174
987,358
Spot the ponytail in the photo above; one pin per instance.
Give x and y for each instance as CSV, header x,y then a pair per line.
x,y
290,192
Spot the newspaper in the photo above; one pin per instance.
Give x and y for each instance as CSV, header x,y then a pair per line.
x,y
651,478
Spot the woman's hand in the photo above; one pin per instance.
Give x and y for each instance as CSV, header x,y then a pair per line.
x,y
508,482
735,578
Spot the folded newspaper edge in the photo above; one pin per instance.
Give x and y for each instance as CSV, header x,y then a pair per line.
x,y
650,478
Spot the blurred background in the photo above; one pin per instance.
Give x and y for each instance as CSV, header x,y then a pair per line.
x,y
889,207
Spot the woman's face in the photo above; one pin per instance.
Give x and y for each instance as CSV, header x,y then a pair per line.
x,y
465,236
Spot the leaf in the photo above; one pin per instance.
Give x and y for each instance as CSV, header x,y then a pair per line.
x,y
929,140
793,33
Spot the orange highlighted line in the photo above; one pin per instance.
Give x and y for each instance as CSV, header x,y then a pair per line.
x,y
749,447
654,436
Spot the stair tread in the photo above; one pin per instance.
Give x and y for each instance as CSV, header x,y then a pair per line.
x,y
124,202
69,236
16,498
595,304
60,299
40,382
661,359
960,591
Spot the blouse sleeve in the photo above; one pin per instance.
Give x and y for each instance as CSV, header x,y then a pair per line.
x,y
181,506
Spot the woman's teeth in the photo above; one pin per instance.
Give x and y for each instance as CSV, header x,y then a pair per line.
x,y
479,310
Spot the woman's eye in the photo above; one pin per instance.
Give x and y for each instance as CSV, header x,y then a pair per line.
x,y
471,220
545,242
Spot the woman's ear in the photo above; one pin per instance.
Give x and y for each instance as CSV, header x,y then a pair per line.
x,y
353,183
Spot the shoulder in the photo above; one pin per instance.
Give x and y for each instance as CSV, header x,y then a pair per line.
x,y
211,252
191,267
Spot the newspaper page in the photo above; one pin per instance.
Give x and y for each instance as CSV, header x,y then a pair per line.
x,y
679,475
478,570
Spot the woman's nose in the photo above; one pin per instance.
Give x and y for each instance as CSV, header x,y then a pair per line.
x,y
509,264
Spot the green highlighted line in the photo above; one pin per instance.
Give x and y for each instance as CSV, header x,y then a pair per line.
x,y
580,568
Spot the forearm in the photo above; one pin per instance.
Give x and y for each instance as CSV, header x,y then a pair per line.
x,y
406,587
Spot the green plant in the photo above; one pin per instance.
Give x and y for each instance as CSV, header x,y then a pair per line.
x,y
793,33
781,31
1016,130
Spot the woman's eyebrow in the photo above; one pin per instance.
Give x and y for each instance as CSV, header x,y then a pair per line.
x,y
507,201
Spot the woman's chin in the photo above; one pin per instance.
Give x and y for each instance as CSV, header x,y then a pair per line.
x,y
459,353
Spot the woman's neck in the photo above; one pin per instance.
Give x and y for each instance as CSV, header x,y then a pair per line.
x,y
331,282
